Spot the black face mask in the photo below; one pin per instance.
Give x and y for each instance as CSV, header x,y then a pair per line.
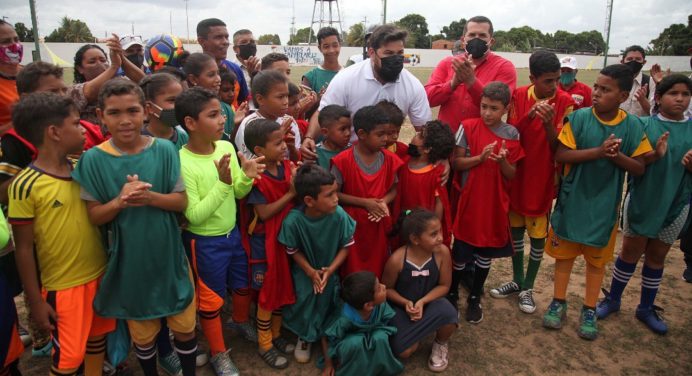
x,y
246,51
635,66
477,48
413,151
391,67
136,59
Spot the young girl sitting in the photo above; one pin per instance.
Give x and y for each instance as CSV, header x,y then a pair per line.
x,y
160,91
418,277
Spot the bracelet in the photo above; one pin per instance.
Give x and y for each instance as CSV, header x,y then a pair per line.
x,y
306,137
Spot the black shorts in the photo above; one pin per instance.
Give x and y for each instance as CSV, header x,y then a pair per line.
x,y
464,253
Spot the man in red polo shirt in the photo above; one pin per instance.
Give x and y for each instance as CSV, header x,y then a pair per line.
x,y
457,82
580,92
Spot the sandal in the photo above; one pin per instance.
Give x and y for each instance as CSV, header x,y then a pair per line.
x,y
274,359
284,346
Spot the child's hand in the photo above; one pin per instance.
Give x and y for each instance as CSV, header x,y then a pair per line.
x,y
224,169
290,139
640,95
546,112
412,311
43,315
377,209
324,276
610,147
316,278
687,160
487,150
328,369
662,145
501,155
253,168
419,310
240,113
294,168
131,192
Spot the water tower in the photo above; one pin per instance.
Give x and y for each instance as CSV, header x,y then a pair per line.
x,y
325,13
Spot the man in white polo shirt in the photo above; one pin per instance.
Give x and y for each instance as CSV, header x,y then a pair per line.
x,y
381,77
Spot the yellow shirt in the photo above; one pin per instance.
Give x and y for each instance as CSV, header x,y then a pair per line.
x,y
69,251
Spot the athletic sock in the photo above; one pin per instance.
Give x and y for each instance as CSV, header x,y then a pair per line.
x,y
147,359
518,258
95,353
563,269
264,333
241,305
480,275
622,272
187,353
277,320
594,278
535,258
651,280
212,329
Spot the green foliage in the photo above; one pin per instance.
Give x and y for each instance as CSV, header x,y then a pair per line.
x,y
302,36
674,40
71,31
455,29
527,39
272,39
355,36
25,34
417,27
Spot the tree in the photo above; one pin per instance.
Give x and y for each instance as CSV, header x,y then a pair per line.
x,y
355,36
24,34
455,29
417,27
71,31
302,36
269,39
673,40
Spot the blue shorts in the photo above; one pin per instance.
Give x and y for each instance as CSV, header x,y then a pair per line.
x,y
219,263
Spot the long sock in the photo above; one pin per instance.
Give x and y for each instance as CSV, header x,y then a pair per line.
x,y
594,278
535,258
163,340
212,329
95,352
264,333
453,294
241,305
277,320
480,275
621,276
518,258
147,359
563,269
187,352
651,280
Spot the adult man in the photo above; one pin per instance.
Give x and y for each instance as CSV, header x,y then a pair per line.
x,y
133,52
580,92
457,82
212,35
11,53
642,93
245,48
381,77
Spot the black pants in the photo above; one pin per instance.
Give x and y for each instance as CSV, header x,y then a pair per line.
x,y
686,245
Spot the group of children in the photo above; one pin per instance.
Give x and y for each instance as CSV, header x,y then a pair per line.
x,y
361,253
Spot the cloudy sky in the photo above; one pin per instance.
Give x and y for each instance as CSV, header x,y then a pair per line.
x,y
634,21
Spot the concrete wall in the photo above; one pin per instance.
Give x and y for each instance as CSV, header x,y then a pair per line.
x,y
63,54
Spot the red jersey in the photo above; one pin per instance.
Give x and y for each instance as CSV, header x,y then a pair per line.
x,y
533,187
482,215
92,133
371,250
581,94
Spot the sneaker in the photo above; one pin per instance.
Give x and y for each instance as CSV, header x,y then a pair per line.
x,y
284,346
526,302
274,359
223,365
474,311
555,314
246,329
43,351
24,336
588,328
171,364
606,306
302,351
201,358
652,318
438,357
505,290
687,275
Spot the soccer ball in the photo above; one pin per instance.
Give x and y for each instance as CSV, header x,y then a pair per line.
x,y
163,50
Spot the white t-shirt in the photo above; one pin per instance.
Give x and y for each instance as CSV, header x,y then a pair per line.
x,y
240,135
356,87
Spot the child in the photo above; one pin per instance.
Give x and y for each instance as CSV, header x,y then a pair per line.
x,y
201,70
132,186
335,126
11,344
366,175
317,235
597,145
537,111
278,62
329,44
396,120
270,95
213,180
271,198
359,338
652,226
160,91
294,108
419,180
54,239
486,154
227,94
418,276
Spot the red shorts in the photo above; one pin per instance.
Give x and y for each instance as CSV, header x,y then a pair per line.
x,y
77,322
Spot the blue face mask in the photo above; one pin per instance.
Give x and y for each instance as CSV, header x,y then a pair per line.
x,y
567,78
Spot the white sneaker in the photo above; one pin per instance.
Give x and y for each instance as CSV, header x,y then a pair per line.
x,y
201,358
438,357
505,290
302,351
223,365
526,302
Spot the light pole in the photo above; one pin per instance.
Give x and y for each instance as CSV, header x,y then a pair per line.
x,y
36,55
187,21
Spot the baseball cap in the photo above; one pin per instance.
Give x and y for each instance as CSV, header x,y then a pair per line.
x,y
128,41
568,62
